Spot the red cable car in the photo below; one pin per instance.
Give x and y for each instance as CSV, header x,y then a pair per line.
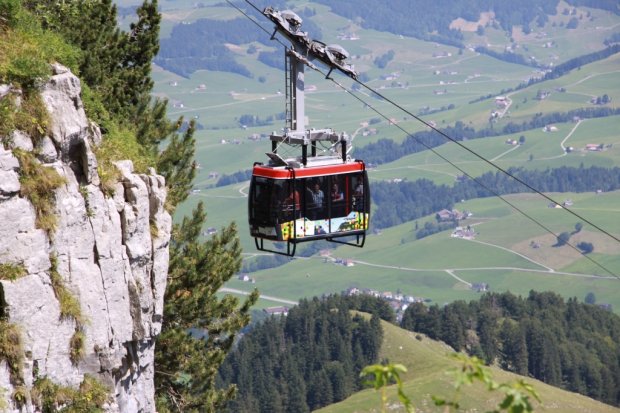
x,y
307,198
322,200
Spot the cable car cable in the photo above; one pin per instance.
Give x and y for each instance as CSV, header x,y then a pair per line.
x,y
494,165
495,193
507,173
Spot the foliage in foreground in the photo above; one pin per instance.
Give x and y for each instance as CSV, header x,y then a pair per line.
x,y
384,375
517,396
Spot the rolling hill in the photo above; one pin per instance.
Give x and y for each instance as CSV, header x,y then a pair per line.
x,y
428,361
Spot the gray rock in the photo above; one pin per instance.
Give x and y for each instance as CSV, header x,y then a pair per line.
x,y
4,90
21,140
47,151
106,256
9,179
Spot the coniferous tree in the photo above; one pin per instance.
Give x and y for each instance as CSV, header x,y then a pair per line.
x,y
186,364
177,164
514,347
311,357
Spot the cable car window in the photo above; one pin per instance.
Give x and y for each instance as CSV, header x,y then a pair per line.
x,y
315,199
336,197
358,192
261,199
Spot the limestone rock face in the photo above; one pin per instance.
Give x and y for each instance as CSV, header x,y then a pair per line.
x,y
111,253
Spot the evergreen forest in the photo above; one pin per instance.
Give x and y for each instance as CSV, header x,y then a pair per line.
x,y
565,343
305,360
313,356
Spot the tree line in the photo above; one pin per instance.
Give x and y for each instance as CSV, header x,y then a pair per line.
x,y
577,62
397,203
558,70
312,356
568,344
308,359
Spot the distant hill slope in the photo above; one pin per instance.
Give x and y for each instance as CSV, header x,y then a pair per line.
x,y
496,28
428,360
430,20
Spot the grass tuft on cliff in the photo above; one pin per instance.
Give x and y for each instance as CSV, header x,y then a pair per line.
x,y
12,351
38,183
69,305
26,49
50,397
11,272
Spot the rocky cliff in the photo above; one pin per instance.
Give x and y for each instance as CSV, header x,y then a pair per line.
x,y
110,253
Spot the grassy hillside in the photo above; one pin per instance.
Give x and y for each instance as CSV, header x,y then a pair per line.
x,y
428,361
441,268
430,76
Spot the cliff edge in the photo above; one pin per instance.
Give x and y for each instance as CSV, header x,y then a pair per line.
x,y
108,253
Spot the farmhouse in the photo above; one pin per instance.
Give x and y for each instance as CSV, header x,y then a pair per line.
x,y
455,214
465,233
276,310
501,101
480,287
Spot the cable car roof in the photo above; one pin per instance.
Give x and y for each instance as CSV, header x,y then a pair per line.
x,y
333,166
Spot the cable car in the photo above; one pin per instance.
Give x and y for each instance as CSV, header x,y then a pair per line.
x,y
306,198
325,199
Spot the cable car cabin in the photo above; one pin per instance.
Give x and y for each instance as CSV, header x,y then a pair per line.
x,y
327,200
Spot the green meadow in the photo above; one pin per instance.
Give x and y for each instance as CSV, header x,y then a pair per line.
x,y
432,77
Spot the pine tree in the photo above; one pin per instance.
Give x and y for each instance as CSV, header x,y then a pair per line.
x,y
187,364
176,163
